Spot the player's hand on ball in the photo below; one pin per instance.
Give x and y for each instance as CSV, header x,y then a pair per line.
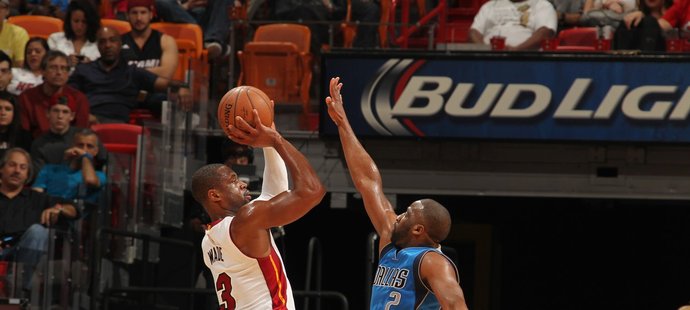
x,y
258,136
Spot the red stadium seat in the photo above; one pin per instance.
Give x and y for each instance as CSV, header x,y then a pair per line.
x,y
582,36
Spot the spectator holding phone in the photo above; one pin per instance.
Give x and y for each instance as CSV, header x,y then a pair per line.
x,y
78,40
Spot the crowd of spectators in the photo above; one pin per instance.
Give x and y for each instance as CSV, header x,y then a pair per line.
x,y
525,24
51,92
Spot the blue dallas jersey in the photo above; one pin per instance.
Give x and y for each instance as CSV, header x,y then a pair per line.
x,y
397,283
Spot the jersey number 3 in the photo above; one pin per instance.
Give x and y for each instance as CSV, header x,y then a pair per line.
x,y
224,287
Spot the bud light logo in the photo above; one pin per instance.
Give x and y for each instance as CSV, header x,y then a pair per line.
x,y
377,107
480,97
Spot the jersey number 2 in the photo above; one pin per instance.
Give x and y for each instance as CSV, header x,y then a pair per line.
x,y
224,287
396,300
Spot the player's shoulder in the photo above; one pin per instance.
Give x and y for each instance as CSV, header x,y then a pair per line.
x,y
434,257
247,216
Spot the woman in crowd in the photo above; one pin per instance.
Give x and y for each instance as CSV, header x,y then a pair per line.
x,y
31,74
78,41
11,132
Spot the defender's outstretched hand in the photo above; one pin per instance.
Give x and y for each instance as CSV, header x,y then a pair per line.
x,y
335,102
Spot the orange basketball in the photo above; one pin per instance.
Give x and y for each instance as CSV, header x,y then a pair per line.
x,y
240,101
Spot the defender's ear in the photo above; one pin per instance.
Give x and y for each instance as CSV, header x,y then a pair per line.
x,y
418,229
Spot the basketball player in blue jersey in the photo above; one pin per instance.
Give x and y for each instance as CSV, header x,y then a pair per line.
x,y
412,271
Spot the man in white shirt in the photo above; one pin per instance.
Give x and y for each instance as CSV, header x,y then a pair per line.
x,y
524,24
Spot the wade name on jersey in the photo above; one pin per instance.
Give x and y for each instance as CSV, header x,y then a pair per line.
x,y
215,254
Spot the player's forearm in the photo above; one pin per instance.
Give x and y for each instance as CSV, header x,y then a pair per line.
x,y
275,175
456,305
363,170
306,183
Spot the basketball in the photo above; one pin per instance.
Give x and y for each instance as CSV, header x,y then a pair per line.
x,y
240,101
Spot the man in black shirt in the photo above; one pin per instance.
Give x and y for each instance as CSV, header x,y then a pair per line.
x,y
112,86
145,47
25,214
149,49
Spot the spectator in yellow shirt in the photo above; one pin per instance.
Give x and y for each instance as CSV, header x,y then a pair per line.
x,y
12,37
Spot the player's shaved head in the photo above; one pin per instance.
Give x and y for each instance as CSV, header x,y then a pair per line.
x,y
436,219
204,179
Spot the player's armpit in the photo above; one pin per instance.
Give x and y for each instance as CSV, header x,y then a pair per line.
x,y
439,274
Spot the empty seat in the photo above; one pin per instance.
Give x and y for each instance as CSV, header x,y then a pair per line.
x,y
183,32
278,62
122,142
37,26
578,39
119,138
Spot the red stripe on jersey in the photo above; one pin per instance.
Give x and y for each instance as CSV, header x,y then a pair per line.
x,y
274,274
213,223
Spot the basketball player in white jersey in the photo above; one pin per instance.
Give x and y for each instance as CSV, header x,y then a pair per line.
x,y
248,271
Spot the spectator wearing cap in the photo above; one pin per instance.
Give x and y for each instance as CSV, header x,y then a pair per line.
x,y
145,47
36,102
50,147
12,37
76,177
148,49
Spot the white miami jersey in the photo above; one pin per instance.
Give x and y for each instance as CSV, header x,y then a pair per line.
x,y
243,282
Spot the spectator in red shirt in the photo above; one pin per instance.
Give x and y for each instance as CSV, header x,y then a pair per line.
x,y
677,16
35,102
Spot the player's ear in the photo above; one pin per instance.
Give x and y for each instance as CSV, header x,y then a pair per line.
x,y
418,229
213,195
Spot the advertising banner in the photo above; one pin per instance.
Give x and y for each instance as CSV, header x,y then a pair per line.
x,y
576,99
